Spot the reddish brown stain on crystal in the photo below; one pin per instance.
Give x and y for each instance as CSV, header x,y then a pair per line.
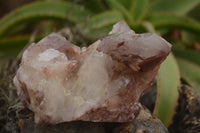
x,y
39,97
24,95
104,115
120,44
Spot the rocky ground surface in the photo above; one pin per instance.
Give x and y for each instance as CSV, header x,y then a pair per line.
x,y
21,120
187,118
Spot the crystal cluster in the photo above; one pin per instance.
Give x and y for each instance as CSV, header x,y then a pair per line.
x,y
62,82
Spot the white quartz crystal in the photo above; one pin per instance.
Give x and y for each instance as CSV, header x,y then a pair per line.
x,y
60,82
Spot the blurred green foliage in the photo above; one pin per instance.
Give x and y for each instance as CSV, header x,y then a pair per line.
x,y
176,20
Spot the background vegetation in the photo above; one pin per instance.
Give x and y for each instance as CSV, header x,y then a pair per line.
x,y
178,21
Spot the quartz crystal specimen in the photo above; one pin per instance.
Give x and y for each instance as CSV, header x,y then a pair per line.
x,y
62,82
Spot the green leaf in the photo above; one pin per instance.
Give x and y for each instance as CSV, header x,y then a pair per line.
x,y
168,81
179,7
43,10
92,5
125,3
166,20
115,5
10,47
139,9
190,38
100,24
148,26
188,54
194,13
190,72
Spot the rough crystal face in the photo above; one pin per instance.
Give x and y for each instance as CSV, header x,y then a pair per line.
x,y
61,82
